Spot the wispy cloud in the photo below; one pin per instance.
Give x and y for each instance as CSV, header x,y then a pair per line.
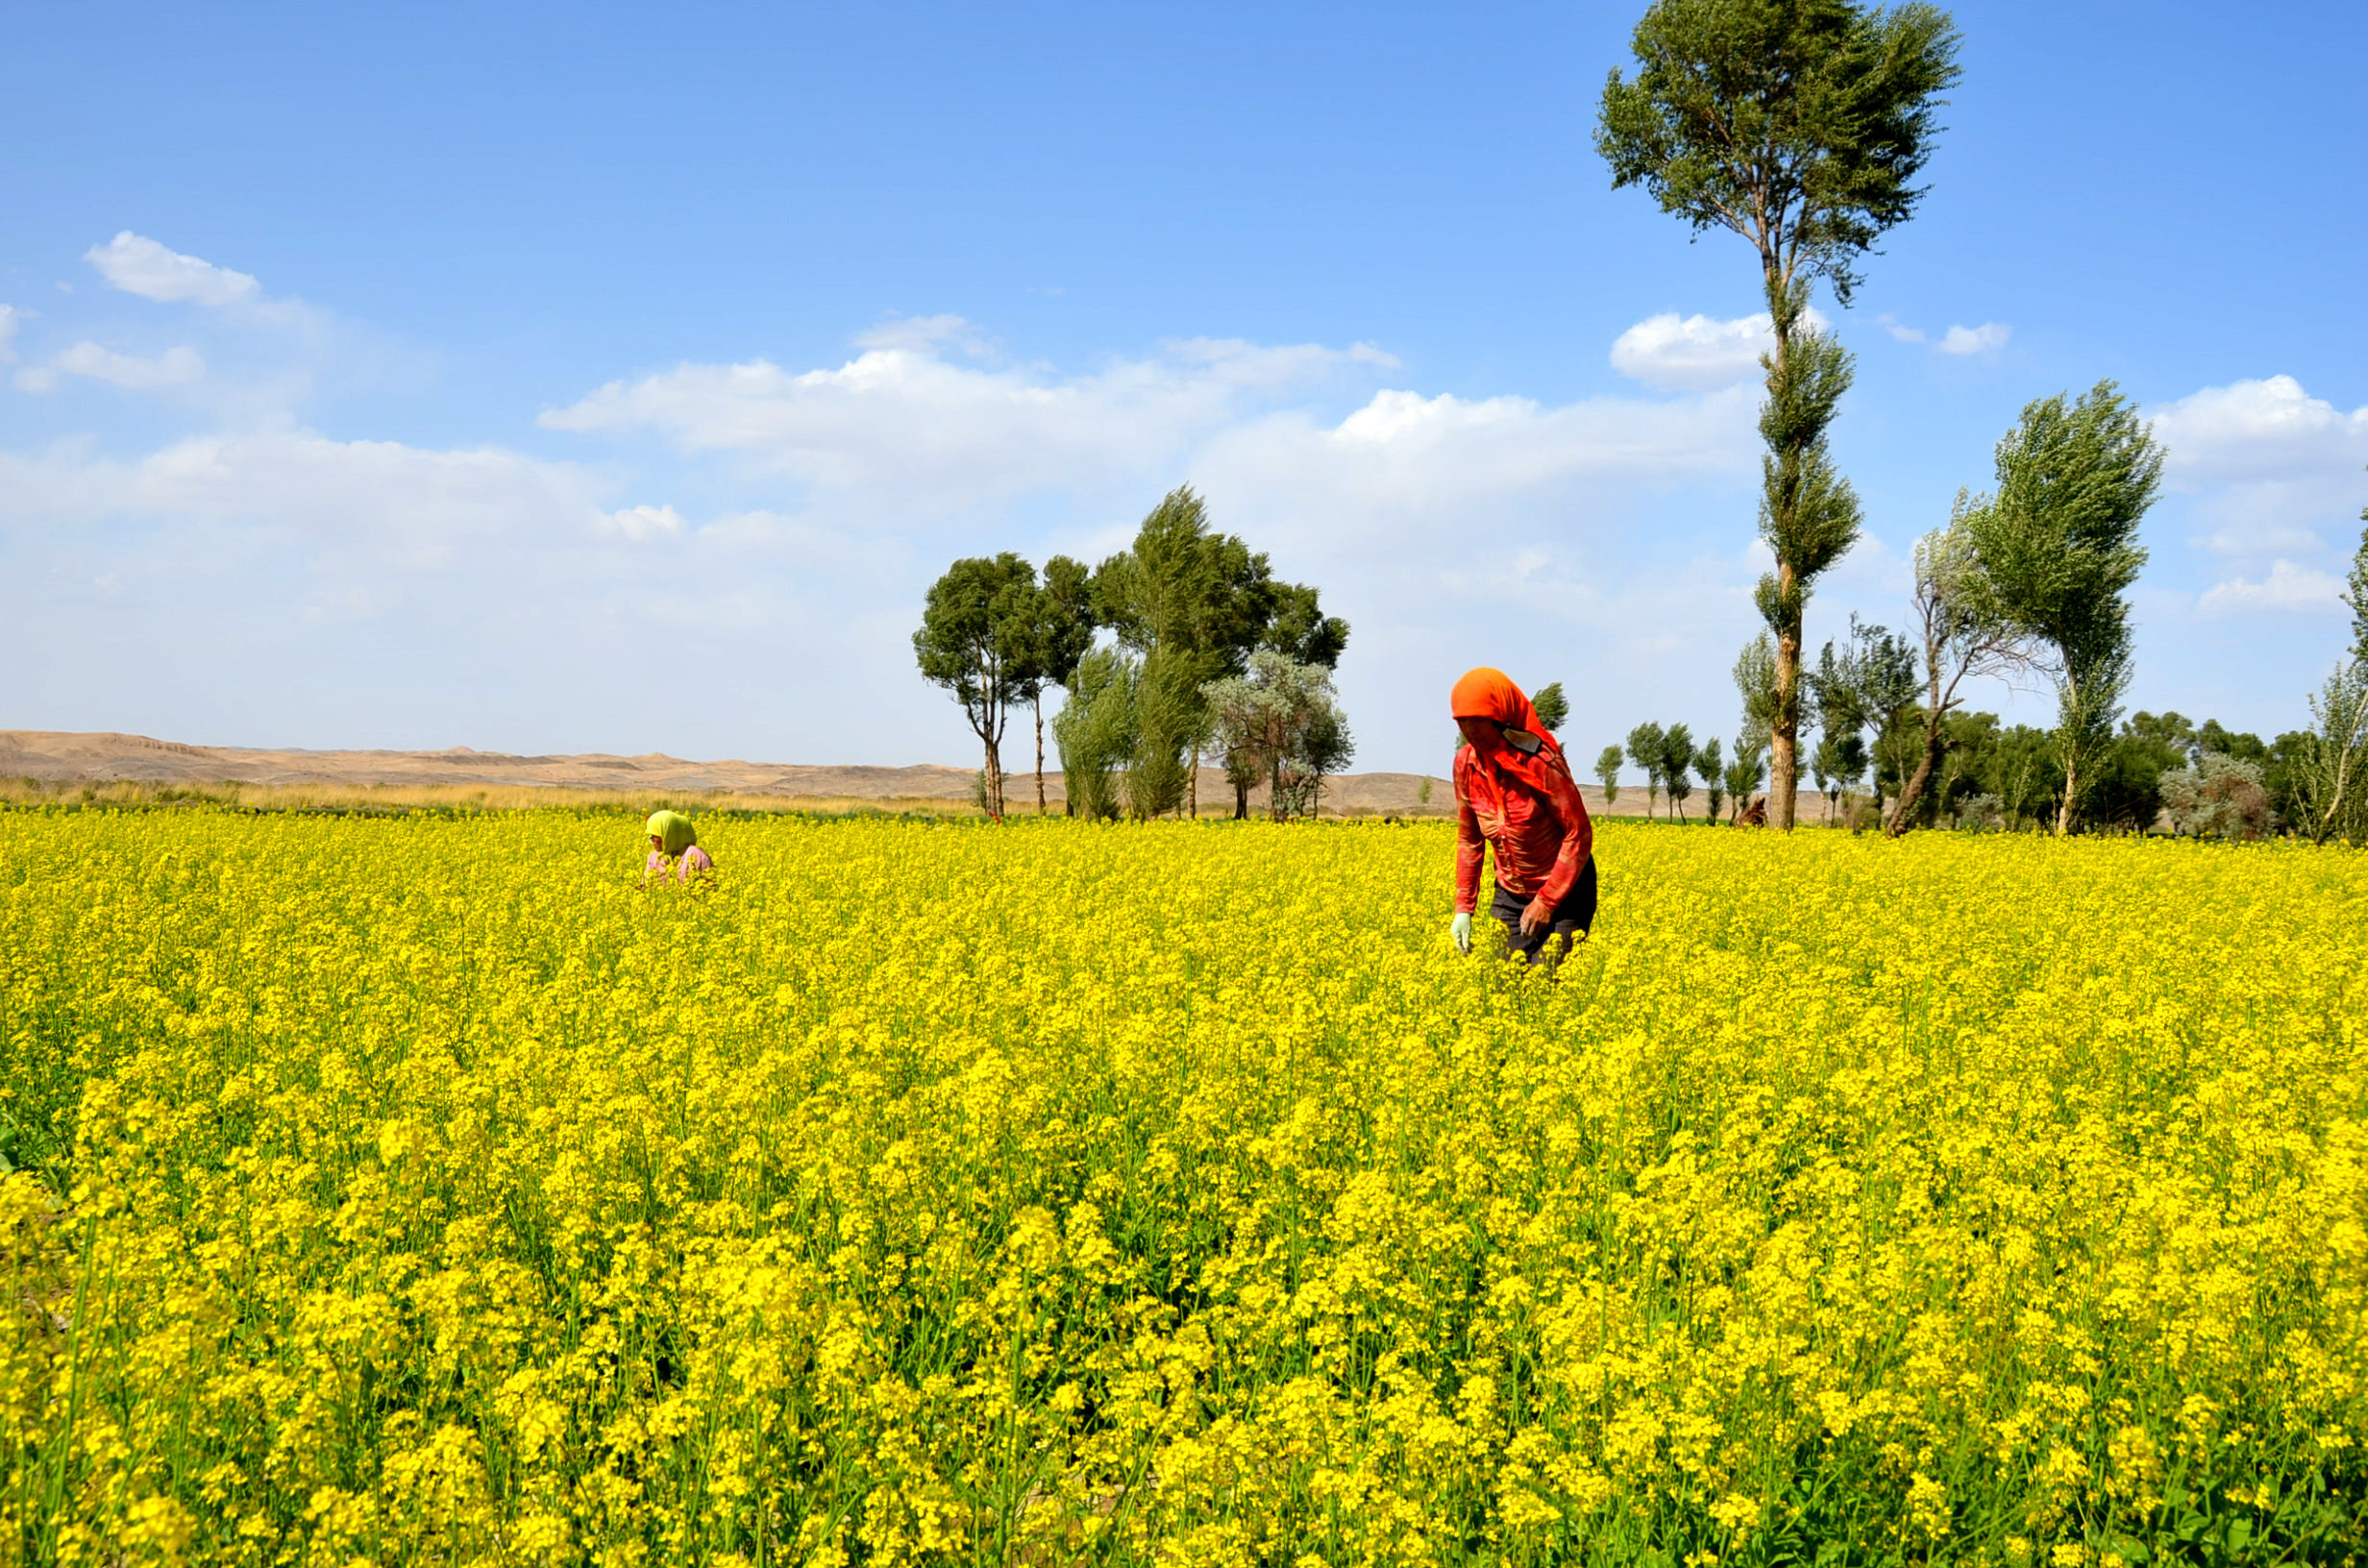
x,y
177,366
926,334
139,265
2288,587
648,522
1962,341
1986,338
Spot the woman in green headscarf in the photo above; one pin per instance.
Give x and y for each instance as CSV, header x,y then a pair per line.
x,y
674,848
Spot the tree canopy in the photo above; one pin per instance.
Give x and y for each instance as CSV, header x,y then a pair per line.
x,y
1279,722
975,641
1553,707
2058,544
1800,125
1195,605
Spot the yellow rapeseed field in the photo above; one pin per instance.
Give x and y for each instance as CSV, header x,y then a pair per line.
x,y
421,1190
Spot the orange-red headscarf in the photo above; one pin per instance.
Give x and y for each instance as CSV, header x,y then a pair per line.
x,y
1489,694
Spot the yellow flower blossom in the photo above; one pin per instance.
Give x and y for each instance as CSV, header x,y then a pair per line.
x,y
422,1189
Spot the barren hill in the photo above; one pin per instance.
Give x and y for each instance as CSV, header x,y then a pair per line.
x,y
56,758
52,757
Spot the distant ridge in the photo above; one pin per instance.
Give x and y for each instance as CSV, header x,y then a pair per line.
x,y
61,757
68,757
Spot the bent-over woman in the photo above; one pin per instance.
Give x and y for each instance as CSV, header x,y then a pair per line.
x,y
1514,793
673,848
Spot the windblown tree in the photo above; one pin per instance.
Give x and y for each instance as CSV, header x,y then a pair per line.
x,y
1837,763
1677,767
1745,773
1280,721
1868,685
1712,767
1644,749
1800,125
1837,705
1553,705
1297,629
1964,632
2331,766
1193,603
1607,770
2356,595
973,641
1058,633
1096,731
2059,548
1755,682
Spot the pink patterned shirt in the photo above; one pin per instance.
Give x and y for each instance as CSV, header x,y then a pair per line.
x,y
695,862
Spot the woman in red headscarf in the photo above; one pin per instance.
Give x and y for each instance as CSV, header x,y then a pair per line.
x,y
1513,790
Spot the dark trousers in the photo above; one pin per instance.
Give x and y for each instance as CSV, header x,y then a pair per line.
x,y
1575,914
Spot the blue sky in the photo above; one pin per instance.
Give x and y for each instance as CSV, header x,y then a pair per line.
x,y
617,377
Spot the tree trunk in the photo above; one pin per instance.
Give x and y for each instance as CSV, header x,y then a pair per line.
x,y
2071,763
1913,790
1039,705
1783,724
994,783
1241,799
1192,787
1783,731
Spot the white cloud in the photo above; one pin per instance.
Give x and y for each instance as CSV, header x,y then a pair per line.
x,y
1986,338
2265,430
925,437
138,265
384,499
1435,522
1693,353
1234,362
1438,467
1419,512
2287,587
2260,536
925,333
1969,340
2272,470
174,367
10,320
648,522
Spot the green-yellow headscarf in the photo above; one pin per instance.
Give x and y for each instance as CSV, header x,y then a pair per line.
x,y
672,829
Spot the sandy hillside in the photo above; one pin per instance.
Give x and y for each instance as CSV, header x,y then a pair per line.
x,y
52,757
55,757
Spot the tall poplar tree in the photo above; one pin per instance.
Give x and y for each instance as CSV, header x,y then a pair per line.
x,y
1799,125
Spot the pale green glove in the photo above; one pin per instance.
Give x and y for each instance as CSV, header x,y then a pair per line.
x,y
1460,931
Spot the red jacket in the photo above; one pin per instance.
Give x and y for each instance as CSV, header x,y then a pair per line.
x,y
1543,842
